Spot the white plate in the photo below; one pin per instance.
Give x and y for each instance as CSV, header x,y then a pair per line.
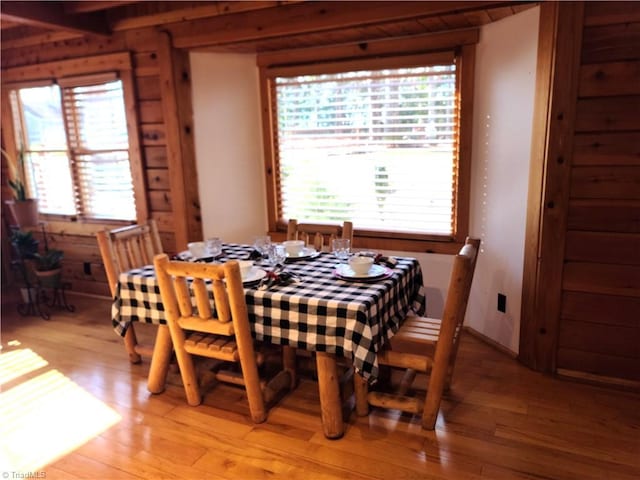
x,y
306,252
186,256
375,272
254,275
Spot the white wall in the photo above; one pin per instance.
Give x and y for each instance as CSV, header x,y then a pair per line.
x,y
229,145
502,124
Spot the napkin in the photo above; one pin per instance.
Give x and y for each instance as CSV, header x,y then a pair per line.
x,y
380,259
254,255
386,261
277,278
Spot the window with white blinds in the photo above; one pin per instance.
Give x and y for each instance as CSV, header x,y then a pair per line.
x,y
77,148
376,147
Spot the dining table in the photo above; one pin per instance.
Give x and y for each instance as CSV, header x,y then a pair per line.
x,y
320,309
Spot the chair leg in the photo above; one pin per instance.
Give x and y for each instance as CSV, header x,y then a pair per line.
x,y
361,390
130,342
160,360
447,383
435,389
189,377
254,394
185,363
289,364
251,378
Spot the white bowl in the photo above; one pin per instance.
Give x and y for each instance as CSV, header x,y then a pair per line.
x,y
245,267
360,265
197,249
293,247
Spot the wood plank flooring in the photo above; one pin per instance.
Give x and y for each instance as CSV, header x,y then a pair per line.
x,y
72,406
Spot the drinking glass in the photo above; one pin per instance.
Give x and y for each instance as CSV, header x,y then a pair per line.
x,y
276,255
341,248
262,244
214,246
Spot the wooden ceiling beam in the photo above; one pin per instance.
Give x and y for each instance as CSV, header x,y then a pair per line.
x,y
127,20
52,15
309,18
75,7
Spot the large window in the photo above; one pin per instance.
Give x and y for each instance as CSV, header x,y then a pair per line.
x,y
374,142
76,146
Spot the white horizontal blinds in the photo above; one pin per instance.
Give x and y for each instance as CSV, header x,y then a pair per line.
x,y
98,141
40,129
376,147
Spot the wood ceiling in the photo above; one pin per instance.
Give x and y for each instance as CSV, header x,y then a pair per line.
x,y
243,26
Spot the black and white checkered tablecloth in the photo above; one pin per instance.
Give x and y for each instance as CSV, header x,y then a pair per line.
x,y
319,313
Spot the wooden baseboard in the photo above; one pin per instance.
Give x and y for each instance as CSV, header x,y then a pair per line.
x,y
86,294
593,379
490,341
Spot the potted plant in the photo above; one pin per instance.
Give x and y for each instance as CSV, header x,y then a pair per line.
x,y
23,209
48,267
25,244
26,249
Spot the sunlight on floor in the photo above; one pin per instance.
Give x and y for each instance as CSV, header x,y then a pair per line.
x,y
44,417
17,363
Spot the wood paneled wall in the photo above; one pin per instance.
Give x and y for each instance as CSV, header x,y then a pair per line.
x,y
600,308
581,295
165,140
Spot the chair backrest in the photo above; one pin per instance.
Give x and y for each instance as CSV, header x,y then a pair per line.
x,y
468,254
180,282
451,323
128,247
318,235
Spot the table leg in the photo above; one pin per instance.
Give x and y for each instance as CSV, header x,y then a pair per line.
x,y
329,389
162,350
361,390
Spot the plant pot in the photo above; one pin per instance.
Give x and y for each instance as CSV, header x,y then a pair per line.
x,y
29,295
49,278
24,212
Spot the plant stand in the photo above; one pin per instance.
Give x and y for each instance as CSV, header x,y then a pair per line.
x,y
34,303
57,297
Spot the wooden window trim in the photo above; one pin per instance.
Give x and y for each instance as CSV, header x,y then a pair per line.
x,y
20,77
341,58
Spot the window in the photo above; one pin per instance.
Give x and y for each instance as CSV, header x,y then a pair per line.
x,y
77,147
376,142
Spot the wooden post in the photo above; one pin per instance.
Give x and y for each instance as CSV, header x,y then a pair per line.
x,y
560,40
178,120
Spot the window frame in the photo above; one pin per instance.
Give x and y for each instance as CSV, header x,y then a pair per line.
x,y
382,54
59,72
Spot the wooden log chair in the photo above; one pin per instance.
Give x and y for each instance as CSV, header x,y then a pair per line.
x,y
122,249
425,345
318,236
221,331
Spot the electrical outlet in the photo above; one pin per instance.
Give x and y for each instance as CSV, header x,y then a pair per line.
x,y
502,303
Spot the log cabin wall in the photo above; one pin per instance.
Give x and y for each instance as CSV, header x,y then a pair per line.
x,y
581,316
161,75
158,35
600,308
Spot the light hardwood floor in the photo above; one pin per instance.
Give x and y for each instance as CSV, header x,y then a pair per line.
x,y
74,407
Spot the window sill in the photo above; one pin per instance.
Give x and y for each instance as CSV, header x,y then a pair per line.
x,y
449,247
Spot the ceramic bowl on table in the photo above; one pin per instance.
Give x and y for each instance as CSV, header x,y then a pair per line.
x,y
293,247
245,267
197,249
360,264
